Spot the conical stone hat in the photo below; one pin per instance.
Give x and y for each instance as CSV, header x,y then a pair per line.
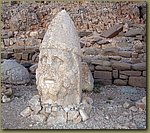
x,y
61,34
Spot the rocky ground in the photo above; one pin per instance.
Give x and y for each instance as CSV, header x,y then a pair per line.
x,y
114,107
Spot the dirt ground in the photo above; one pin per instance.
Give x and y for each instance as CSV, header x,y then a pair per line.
x,y
108,110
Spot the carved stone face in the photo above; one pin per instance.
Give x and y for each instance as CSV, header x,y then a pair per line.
x,y
58,77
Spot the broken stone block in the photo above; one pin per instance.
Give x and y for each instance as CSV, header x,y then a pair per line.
x,y
59,117
83,115
5,99
14,73
113,31
87,78
26,112
38,117
33,68
72,115
77,120
35,104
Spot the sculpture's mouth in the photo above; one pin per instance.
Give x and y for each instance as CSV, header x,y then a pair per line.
x,y
49,82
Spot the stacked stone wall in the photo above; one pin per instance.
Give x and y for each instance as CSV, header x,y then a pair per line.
x,y
120,60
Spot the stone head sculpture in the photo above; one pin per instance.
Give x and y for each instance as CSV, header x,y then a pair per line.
x,y
58,76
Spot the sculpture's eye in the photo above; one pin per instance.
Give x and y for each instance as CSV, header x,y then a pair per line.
x,y
44,59
57,60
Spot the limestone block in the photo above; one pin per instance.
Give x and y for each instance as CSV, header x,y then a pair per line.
x,y
34,103
115,74
38,117
120,82
103,68
113,31
126,54
83,115
137,81
110,51
14,73
123,76
87,78
121,65
72,114
139,66
26,112
103,74
131,73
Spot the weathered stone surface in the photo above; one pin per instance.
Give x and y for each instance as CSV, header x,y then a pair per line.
x,y
123,76
6,34
5,99
26,112
131,73
120,82
35,104
144,100
110,51
103,74
19,49
18,56
134,55
144,73
77,120
59,68
113,31
126,54
91,51
134,32
115,74
101,62
104,81
104,68
102,42
6,55
137,81
83,115
14,73
39,117
117,58
33,68
121,66
57,117
84,33
72,114
141,105
25,56
87,78
139,66
127,105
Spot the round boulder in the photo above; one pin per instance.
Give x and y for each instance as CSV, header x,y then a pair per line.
x,y
12,72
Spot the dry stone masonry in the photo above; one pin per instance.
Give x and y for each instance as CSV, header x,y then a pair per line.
x,y
112,36
58,76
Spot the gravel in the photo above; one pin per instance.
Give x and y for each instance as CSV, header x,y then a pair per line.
x,y
108,111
